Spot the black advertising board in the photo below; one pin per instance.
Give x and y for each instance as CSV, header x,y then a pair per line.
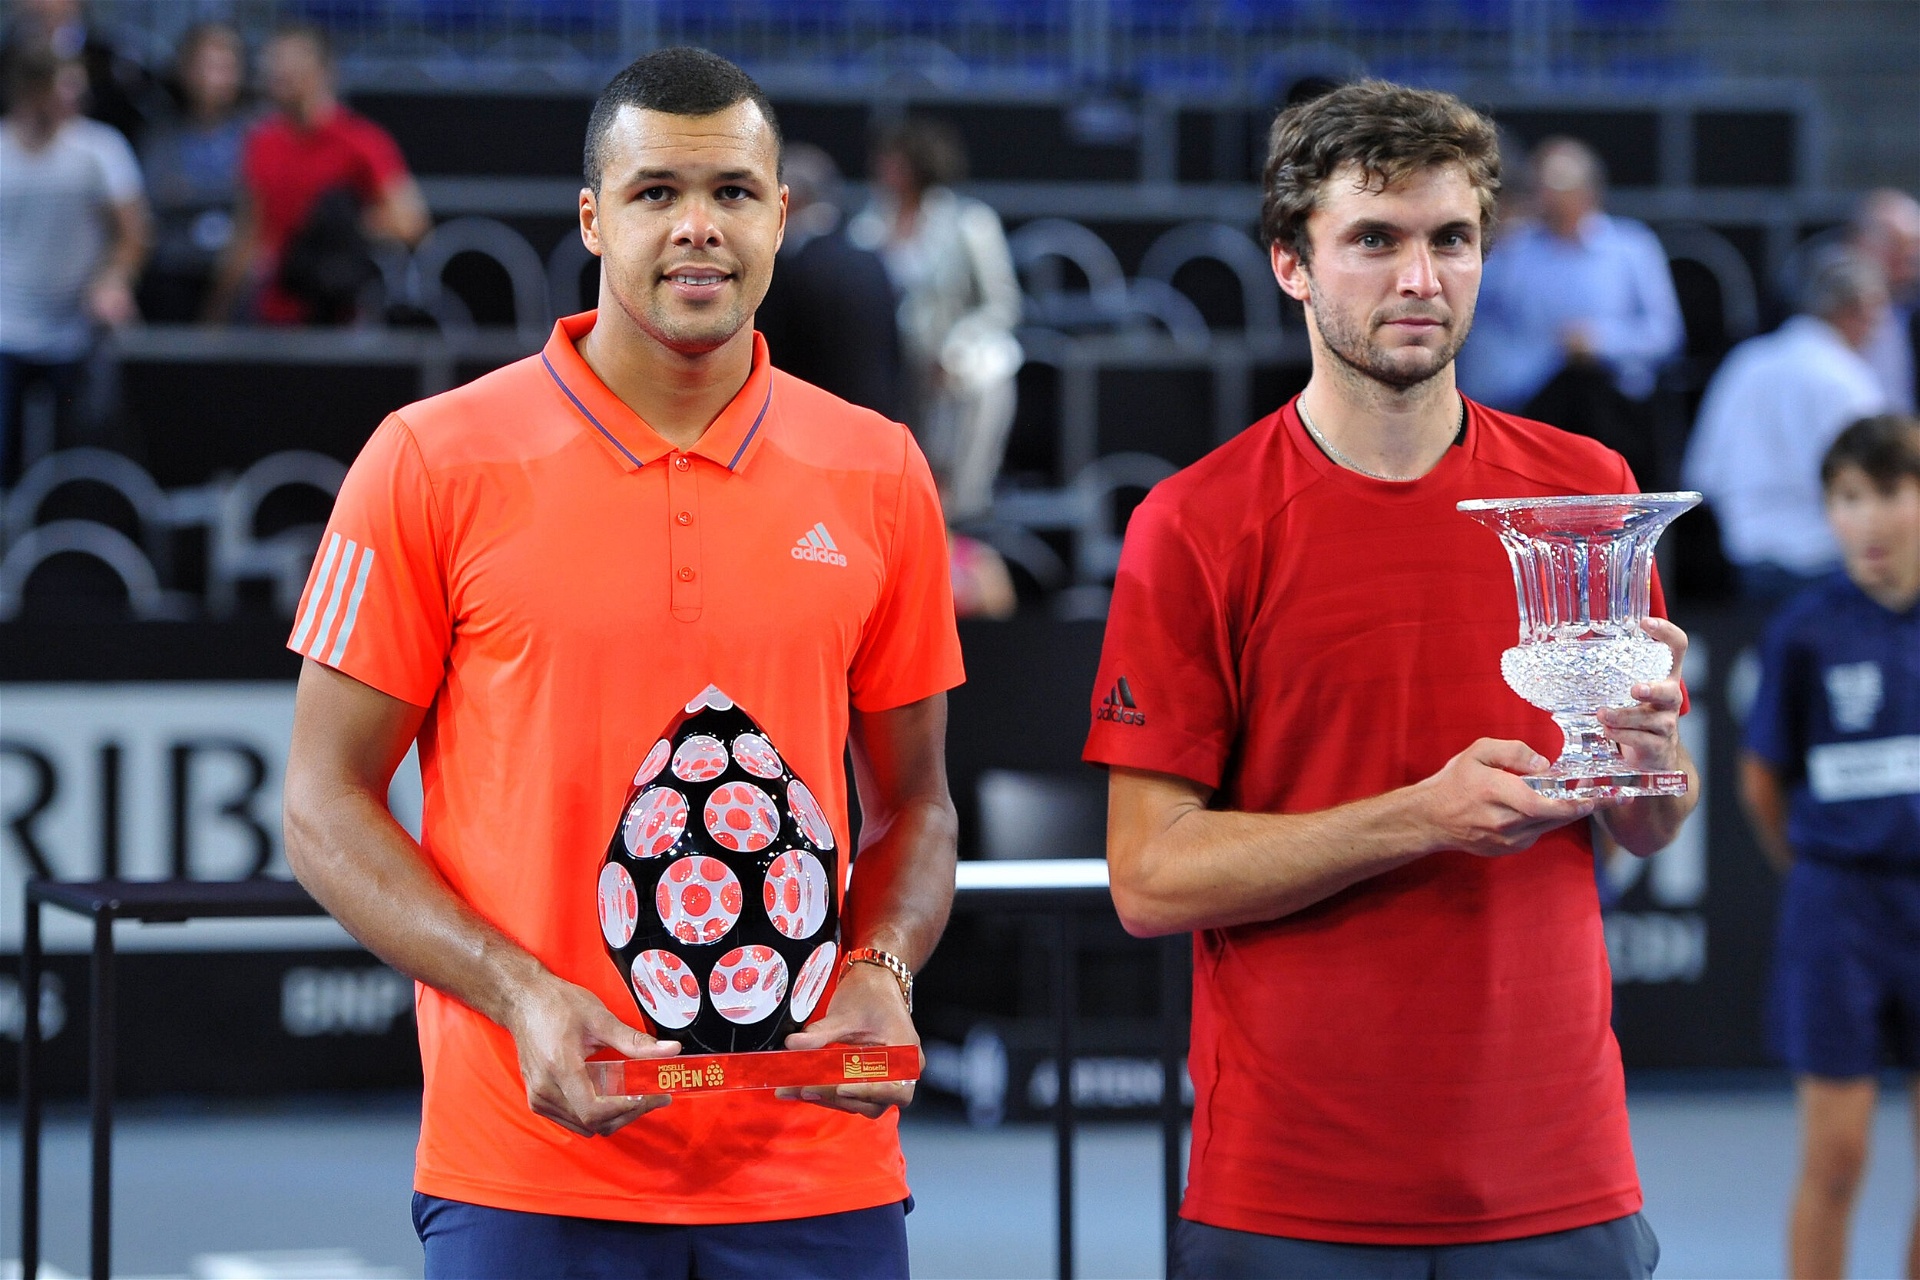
x,y
156,750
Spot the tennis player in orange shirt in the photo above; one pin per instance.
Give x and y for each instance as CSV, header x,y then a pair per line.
x,y
530,575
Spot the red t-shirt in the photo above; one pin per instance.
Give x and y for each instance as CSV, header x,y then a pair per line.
x,y
1424,1058
287,169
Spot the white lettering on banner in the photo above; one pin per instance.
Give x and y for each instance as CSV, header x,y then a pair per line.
x,y
1864,770
1112,1083
148,781
1656,946
361,1001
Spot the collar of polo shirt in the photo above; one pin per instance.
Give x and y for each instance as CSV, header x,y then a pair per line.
x,y
729,441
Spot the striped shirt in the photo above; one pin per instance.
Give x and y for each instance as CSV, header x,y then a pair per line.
x,y
56,206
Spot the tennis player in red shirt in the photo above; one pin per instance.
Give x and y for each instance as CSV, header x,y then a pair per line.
x,y
1401,1056
531,575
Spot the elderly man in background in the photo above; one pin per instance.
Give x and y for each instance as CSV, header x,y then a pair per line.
x,y
1770,412
1886,231
73,233
1577,312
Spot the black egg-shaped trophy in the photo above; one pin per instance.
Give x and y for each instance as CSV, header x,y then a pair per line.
x,y
716,899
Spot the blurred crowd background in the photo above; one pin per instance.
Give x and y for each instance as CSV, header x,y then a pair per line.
x,y
235,233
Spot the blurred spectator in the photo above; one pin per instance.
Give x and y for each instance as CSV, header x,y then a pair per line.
x,y
828,316
1886,231
120,91
1769,414
73,231
192,163
1831,785
319,184
959,303
1577,312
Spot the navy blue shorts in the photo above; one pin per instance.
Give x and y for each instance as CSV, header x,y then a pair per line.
x,y
1846,983
472,1242
1623,1249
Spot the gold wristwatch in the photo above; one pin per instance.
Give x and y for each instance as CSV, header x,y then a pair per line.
x,y
891,963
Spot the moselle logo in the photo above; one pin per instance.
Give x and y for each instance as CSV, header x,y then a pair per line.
x,y
817,545
1119,706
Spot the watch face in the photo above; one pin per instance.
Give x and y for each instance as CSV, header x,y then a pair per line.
x,y
716,899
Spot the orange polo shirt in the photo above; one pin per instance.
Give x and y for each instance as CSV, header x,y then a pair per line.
x,y
527,558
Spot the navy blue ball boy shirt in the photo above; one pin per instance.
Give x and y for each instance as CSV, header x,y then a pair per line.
x,y
1838,717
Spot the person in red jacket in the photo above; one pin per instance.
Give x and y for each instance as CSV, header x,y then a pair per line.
x,y
319,182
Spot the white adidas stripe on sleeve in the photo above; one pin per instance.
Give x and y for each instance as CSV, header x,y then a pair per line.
x,y
320,583
353,606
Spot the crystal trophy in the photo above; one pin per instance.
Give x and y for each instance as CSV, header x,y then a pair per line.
x,y
717,902
1583,569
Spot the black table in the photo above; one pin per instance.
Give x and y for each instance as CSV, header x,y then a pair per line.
x,y
1067,889
1064,889
105,901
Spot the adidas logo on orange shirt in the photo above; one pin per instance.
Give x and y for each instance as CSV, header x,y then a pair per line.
x,y
817,545
1119,706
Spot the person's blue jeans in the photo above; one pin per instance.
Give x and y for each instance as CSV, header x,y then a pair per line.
x,y
472,1242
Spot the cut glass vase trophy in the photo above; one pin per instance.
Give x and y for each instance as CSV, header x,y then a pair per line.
x,y
1583,569
717,904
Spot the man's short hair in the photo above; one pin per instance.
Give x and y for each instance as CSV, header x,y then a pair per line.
x,y
29,66
315,37
1841,280
1885,446
680,81
1388,132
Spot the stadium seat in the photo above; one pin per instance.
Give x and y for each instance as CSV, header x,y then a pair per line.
x,y
44,544
1738,315
1039,250
126,478
1217,242
237,553
532,314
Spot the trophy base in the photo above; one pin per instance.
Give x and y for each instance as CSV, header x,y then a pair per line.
x,y
1626,784
737,1072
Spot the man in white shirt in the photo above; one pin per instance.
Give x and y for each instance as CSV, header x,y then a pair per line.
x,y
1769,414
73,232
1577,312
1886,230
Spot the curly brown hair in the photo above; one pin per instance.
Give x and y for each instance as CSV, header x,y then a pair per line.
x,y
1387,131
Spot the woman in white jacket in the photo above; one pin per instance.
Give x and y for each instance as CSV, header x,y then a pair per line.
x,y
959,302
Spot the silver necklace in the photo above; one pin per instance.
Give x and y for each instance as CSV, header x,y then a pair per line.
x,y
1306,420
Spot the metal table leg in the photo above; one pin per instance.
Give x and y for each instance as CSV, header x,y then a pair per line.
x,y
1173,1043
100,1085
1066,992
30,1092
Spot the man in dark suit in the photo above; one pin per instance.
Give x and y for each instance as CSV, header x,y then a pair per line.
x,y
829,314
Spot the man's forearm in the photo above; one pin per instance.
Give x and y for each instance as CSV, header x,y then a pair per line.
x,y
367,871
902,885
1214,869
1649,824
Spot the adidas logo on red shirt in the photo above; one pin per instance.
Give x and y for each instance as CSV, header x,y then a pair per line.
x,y
1119,706
817,545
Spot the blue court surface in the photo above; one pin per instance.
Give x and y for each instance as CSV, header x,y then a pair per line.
x,y
318,1188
